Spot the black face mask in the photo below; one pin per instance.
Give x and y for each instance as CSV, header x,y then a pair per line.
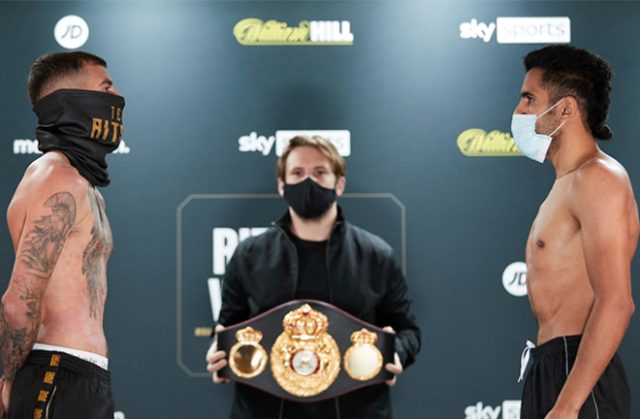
x,y
84,125
308,199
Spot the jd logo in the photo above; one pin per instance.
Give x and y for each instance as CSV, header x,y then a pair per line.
x,y
514,279
475,29
71,32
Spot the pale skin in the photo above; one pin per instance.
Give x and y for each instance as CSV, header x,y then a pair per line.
x,y
580,247
62,241
301,163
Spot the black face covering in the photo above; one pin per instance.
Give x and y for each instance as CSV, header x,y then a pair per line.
x,y
308,199
84,125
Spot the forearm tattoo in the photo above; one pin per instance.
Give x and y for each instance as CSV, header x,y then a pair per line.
x,y
40,250
15,343
45,241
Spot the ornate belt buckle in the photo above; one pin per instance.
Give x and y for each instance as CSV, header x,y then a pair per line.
x,y
305,359
247,358
363,359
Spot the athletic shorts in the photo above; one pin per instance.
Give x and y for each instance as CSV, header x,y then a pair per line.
x,y
56,385
548,368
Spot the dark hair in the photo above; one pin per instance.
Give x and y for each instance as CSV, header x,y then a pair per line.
x,y
51,67
568,70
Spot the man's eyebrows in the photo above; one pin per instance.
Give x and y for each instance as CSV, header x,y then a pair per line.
x,y
526,93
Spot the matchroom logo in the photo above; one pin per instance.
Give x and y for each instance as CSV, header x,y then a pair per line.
x,y
28,146
255,32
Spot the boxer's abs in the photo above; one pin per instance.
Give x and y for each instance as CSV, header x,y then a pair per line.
x,y
557,280
560,311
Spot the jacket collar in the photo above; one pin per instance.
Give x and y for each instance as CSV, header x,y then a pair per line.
x,y
285,222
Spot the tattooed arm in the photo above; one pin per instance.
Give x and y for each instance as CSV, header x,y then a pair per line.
x,y
3,415
49,216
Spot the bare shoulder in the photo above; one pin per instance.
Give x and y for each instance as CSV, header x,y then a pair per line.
x,y
602,182
50,180
602,173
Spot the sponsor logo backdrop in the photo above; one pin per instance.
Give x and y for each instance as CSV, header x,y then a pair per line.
x,y
419,97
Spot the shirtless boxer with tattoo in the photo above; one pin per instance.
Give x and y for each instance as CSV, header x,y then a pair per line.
x,y
53,347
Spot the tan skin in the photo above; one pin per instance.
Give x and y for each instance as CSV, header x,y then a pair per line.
x,y
301,163
580,247
62,240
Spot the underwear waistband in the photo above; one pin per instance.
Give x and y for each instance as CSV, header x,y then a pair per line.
x,y
70,363
95,359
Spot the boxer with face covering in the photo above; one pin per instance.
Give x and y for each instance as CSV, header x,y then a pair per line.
x,y
53,346
84,125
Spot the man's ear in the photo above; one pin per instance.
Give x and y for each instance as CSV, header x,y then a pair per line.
x,y
569,107
280,187
341,184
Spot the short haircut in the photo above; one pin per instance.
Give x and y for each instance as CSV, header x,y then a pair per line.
x,y
338,165
568,70
51,67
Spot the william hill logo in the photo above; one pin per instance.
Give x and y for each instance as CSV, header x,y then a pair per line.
x,y
477,142
255,32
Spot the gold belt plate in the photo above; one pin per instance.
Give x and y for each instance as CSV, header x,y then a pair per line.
x,y
305,359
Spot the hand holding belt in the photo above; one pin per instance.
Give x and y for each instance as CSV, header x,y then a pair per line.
x,y
314,350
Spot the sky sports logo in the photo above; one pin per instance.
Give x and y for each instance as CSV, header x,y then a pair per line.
x,y
510,409
520,30
264,144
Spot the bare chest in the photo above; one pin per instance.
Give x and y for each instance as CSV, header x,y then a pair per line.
x,y
555,230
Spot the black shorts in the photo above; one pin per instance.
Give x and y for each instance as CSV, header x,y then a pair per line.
x,y
548,368
55,385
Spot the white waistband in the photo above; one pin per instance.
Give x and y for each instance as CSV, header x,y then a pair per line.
x,y
95,359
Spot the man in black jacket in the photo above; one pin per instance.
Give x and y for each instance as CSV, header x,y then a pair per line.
x,y
314,253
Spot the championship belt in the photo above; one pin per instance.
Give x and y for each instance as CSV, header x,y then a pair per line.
x,y
306,350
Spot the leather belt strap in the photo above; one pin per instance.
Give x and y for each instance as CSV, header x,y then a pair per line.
x,y
306,350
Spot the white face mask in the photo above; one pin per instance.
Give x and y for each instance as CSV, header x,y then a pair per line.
x,y
529,142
